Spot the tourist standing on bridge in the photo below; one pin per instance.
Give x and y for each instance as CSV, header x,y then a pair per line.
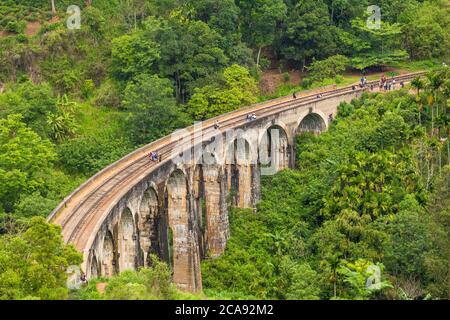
x,y
153,156
251,117
216,125
83,279
383,82
330,118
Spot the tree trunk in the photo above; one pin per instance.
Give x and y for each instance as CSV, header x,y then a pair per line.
x,y
432,121
258,57
177,87
53,7
334,285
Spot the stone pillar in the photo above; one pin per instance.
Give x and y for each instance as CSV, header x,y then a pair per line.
x,y
194,247
108,261
147,226
198,191
292,158
224,204
244,185
283,161
127,242
186,257
216,216
255,185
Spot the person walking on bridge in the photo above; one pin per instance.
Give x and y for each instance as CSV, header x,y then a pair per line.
x,y
153,156
251,117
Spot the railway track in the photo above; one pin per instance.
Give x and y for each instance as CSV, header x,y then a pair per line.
x,y
82,212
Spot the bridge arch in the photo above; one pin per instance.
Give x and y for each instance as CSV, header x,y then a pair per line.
x,y
127,241
275,147
314,122
240,172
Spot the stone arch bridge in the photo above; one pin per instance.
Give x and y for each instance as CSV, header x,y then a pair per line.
x,y
177,208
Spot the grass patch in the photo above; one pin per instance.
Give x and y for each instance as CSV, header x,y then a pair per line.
x,y
93,120
418,65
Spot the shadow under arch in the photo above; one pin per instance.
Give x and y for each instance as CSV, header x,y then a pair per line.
x,y
274,149
313,123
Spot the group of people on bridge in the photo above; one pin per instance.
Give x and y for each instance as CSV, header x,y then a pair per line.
x,y
384,84
388,85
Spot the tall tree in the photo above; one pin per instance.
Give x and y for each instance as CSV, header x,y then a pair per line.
x,y
239,89
190,50
24,156
152,107
34,263
260,21
309,33
133,54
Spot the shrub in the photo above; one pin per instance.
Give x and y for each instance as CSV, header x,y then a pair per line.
x,y
328,68
87,88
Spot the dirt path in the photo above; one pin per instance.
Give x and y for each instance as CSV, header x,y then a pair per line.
x,y
32,28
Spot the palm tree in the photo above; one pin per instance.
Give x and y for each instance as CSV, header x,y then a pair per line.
x,y
62,125
64,104
435,83
418,84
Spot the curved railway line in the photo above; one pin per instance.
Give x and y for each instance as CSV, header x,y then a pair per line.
x,y
81,213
